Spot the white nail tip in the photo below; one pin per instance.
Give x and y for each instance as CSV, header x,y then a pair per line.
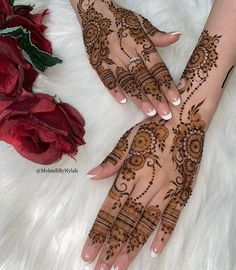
x,y
152,112
113,268
175,33
123,101
167,117
153,254
177,102
90,176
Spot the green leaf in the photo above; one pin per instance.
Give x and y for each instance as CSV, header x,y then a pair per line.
x,y
11,2
41,60
12,31
29,7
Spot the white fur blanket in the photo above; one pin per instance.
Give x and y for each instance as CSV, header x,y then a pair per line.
x,y
45,218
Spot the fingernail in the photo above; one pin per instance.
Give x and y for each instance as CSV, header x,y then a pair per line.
x,y
152,112
123,101
89,254
154,254
121,263
177,102
148,109
102,266
174,98
94,172
164,111
167,116
121,98
175,33
156,249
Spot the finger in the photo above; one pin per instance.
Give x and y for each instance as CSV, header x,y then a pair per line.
x,y
161,74
150,88
114,202
145,227
133,91
128,217
168,223
159,38
109,80
114,161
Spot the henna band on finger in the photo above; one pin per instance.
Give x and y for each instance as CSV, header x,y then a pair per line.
x,y
161,75
107,77
145,80
128,83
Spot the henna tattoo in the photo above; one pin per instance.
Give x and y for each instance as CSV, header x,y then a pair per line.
x,y
145,227
128,25
120,150
107,77
189,136
124,224
149,28
128,83
96,30
161,75
101,227
145,80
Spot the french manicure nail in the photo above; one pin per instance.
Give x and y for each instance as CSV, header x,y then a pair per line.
x,y
167,116
103,266
121,263
154,254
90,176
152,112
123,101
175,33
88,254
94,172
177,102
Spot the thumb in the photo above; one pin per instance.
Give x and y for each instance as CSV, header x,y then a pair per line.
x,y
114,161
159,38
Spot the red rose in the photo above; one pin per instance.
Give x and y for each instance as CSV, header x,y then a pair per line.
x,y
15,72
39,129
5,11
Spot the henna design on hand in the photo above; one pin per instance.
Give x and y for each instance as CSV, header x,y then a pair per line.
x,y
145,227
161,75
145,80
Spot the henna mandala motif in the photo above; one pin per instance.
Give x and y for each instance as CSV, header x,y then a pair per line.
x,y
96,30
145,81
202,61
129,25
146,225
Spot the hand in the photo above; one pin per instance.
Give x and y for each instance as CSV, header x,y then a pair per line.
x,y
158,162
121,48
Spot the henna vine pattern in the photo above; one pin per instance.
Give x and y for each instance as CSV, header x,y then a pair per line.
x,y
189,137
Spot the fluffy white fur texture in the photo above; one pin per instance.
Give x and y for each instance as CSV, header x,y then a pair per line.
x,y
45,218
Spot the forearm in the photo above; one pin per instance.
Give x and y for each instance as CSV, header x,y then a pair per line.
x,y
208,67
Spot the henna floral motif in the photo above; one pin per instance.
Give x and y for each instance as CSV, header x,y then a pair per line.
x,y
96,30
149,28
